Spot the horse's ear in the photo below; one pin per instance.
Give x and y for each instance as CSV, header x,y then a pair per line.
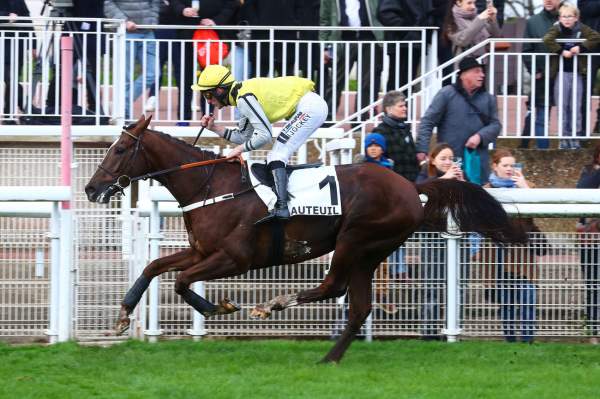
x,y
142,124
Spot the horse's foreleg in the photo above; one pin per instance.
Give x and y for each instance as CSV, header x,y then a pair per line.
x,y
217,265
177,261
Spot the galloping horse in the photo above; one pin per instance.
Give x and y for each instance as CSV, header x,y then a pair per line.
x,y
380,210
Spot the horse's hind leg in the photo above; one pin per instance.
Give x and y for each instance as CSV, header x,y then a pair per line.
x,y
177,261
333,286
360,293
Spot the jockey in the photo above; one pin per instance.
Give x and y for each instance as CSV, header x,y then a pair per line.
x,y
262,101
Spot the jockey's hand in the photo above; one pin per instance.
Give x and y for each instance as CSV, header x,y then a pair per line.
x,y
207,121
236,152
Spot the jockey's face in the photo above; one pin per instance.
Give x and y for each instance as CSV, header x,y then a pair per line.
x,y
211,97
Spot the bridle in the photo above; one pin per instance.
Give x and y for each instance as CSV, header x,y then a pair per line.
x,y
123,181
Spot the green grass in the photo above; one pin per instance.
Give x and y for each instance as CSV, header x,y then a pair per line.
x,y
288,369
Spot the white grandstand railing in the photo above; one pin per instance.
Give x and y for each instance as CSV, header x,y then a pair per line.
x,y
302,57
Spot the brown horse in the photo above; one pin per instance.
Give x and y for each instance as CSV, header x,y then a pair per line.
x,y
380,210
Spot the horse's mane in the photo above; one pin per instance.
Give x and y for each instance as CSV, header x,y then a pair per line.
x,y
206,154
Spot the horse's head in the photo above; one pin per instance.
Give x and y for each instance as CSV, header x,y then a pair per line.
x,y
123,159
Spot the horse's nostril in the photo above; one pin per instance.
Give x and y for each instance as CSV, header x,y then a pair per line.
x,y
89,190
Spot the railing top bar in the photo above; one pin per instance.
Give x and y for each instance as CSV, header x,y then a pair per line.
x,y
50,19
546,196
295,28
35,193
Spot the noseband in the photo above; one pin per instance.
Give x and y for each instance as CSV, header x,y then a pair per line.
x,y
123,181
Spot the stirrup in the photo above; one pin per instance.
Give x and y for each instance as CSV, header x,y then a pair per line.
x,y
274,214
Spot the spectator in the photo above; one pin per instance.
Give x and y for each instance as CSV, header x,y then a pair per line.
x,y
569,79
401,149
397,133
536,28
166,16
466,118
406,13
517,268
376,151
498,5
590,249
465,28
273,13
140,42
14,59
210,13
590,15
353,13
241,65
441,165
432,269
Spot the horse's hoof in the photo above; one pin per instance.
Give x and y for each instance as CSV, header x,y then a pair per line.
x,y
228,306
122,326
260,312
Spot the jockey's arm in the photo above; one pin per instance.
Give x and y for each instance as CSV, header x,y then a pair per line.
x,y
254,129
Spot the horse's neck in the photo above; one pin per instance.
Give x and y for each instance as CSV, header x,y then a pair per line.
x,y
165,153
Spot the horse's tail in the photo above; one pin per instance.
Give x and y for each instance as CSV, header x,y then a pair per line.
x,y
473,209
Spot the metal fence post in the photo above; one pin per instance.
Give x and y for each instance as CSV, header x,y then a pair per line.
x,y
65,286
198,327
54,235
453,236
153,293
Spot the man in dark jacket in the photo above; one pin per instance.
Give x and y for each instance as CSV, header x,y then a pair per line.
x,y
590,15
536,28
408,13
210,13
466,116
13,61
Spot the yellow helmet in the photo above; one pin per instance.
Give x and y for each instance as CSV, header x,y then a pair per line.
x,y
212,77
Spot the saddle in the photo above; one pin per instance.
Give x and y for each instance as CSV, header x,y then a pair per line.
x,y
262,174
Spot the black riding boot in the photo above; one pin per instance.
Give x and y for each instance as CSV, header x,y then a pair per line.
x,y
280,211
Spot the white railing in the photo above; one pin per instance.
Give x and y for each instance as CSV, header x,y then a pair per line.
x,y
60,234
444,289
103,54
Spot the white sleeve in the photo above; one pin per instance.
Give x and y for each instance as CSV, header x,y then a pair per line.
x,y
250,108
241,133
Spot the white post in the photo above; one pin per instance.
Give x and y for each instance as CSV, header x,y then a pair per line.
x,y
453,236
340,151
198,328
54,235
153,331
65,285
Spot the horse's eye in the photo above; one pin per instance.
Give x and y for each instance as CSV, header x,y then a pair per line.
x,y
119,150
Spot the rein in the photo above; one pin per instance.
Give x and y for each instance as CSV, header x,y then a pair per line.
x,y
124,181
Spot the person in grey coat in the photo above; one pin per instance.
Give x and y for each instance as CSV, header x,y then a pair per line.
x,y
466,117
140,41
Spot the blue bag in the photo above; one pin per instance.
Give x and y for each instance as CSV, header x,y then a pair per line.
x,y
472,165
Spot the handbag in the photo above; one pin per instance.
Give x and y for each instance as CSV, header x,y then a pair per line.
x,y
502,46
205,40
472,165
